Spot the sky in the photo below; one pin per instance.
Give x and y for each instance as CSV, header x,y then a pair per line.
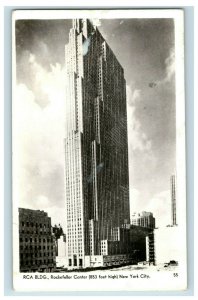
x,y
145,49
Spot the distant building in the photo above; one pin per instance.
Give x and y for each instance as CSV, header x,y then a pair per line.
x,y
167,239
62,245
143,219
119,243
36,241
61,258
58,232
173,200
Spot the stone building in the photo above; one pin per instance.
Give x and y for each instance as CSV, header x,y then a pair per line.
x,y
143,219
61,256
36,241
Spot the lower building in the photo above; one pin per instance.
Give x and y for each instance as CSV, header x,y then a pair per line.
x,y
118,244
36,241
142,244
114,251
129,245
61,243
61,258
95,261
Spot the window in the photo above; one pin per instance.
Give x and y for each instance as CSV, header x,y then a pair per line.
x,y
75,262
80,262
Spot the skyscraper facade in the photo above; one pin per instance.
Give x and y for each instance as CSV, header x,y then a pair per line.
x,y
143,219
173,200
96,146
36,241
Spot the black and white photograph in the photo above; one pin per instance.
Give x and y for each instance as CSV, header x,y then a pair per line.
x,y
98,133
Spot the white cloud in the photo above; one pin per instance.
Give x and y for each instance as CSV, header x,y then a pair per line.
x,y
57,216
169,68
159,205
133,95
136,95
38,134
135,200
138,139
48,84
42,201
31,58
161,208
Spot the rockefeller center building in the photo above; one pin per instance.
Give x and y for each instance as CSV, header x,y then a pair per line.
x,y
96,151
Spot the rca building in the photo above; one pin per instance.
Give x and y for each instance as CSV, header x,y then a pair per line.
x,y
96,149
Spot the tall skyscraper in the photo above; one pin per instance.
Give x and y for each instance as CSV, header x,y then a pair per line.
x,y
173,200
96,146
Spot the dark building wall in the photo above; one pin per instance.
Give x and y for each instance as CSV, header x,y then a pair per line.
x,y
57,231
96,145
105,144
36,241
138,236
133,241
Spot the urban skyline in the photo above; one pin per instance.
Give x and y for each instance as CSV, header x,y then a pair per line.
x,y
44,105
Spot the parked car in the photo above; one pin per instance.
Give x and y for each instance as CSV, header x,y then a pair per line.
x,y
173,263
